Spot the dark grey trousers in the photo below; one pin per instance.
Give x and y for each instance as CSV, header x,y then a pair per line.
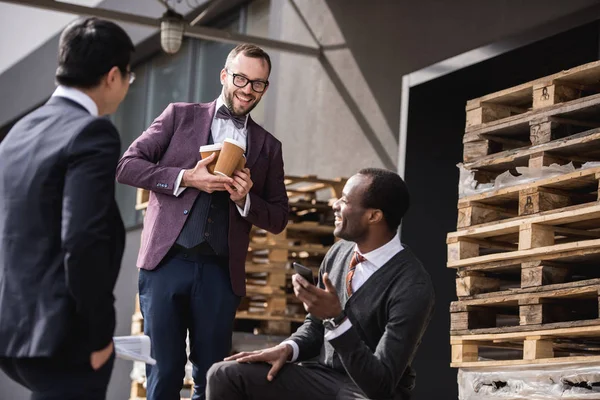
x,y
230,380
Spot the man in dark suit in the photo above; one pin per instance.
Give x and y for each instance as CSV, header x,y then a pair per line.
x,y
197,225
366,318
61,234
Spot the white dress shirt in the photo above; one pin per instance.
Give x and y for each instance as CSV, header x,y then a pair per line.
x,y
78,97
374,260
222,129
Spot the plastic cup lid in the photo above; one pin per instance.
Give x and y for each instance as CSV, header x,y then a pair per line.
x,y
238,144
211,147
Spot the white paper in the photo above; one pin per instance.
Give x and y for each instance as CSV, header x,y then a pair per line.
x,y
134,348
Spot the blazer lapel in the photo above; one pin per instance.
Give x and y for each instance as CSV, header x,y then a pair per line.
x,y
256,138
202,122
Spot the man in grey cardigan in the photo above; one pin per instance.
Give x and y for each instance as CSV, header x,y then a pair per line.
x,y
367,314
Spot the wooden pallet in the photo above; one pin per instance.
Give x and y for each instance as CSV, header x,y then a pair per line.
x,y
532,128
508,241
565,305
563,345
578,187
561,87
575,224
577,149
308,187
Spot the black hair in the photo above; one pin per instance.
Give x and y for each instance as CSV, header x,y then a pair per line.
x,y
388,193
88,49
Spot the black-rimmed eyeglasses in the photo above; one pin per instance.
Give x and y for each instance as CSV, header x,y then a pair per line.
x,y
241,81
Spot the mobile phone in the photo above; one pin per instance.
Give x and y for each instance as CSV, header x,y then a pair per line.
x,y
304,272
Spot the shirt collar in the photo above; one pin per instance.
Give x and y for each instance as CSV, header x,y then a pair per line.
x,y
220,102
78,97
383,254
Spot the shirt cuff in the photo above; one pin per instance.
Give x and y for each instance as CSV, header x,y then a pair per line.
x,y
178,190
339,331
295,349
246,210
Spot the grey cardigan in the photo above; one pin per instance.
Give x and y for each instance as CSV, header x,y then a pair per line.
x,y
389,314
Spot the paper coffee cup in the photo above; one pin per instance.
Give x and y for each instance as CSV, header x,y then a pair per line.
x,y
229,158
241,164
206,151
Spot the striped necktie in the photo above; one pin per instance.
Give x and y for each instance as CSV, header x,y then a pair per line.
x,y
356,259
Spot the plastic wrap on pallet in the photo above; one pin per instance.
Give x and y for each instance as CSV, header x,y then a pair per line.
x,y
532,382
468,185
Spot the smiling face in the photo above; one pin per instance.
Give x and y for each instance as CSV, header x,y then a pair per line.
x,y
351,218
242,100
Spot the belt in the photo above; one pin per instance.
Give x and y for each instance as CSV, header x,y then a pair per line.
x,y
201,250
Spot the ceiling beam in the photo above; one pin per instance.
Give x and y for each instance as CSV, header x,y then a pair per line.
x,y
198,32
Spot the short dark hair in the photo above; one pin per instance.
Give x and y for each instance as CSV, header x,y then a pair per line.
x,y
387,193
88,49
249,50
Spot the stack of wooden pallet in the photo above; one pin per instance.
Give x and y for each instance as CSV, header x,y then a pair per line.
x,y
306,239
527,255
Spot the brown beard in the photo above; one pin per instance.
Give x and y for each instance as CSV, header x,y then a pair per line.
x,y
229,104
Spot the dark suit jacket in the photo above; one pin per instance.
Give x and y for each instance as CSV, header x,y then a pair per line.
x,y
172,143
61,235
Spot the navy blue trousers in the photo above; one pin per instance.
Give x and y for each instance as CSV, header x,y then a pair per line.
x,y
186,293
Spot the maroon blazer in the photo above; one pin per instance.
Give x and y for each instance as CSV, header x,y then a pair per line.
x,y
172,143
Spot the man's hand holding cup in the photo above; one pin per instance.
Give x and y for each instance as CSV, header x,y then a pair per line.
x,y
199,177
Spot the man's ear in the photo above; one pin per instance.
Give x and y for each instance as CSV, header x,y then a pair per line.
x,y
375,216
113,75
223,76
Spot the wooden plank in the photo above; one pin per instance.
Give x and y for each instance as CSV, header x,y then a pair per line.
x,y
142,197
534,349
534,289
586,74
563,292
542,361
473,151
553,218
475,214
537,199
526,328
521,256
472,285
464,353
488,112
535,235
462,250
538,273
553,182
592,329
545,95
564,147
518,122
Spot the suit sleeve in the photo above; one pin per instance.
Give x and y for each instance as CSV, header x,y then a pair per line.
x,y
139,165
378,373
270,211
310,336
86,217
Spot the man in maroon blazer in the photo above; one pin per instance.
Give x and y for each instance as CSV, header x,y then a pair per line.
x,y
197,225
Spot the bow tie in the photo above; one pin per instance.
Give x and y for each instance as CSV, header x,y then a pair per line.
x,y
224,113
